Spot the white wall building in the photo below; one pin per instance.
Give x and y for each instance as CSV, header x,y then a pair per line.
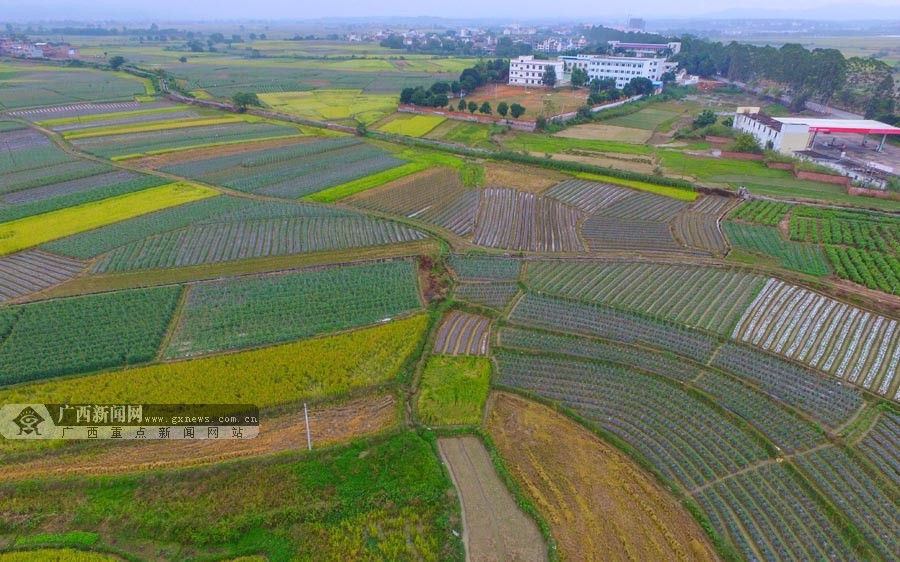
x,y
649,49
622,69
526,71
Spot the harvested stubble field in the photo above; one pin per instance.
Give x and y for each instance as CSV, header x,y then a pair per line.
x,y
523,178
328,424
600,505
604,132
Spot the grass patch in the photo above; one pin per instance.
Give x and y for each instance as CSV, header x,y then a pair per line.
x,y
56,555
38,229
535,142
454,390
648,119
338,192
327,105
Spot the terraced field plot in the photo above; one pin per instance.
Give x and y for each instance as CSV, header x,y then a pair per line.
x,y
154,142
588,196
326,105
648,118
472,268
496,529
493,295
600,505
461,333
38,229
247,312
31,271
697,226
753,509
81,334
291,171
850,343
75,111
687,441
709,298
307,370
517,220
768,242
880,446
435,196
27,85
761,211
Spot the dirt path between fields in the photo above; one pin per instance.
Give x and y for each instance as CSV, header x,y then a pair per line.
x,y
287,432
494,528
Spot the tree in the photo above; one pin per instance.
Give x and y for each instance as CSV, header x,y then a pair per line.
x,y
641,86
745,142
667,77
502,108
594,85
440,88
182,59
116,62
540,123
217,38
455,87
462,105
516,110
485,108
473,107
440,100
406,95
243,99
706,117
549,78
579,77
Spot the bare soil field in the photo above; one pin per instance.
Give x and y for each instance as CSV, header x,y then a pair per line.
x,y
599,131
524,179
494,528
600,505
328,424
620,162
536,100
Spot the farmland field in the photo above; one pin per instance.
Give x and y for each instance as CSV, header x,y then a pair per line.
x,y
461,333
768,242
453,390
38,229
30,85
599,504
411,125
333,104
249,312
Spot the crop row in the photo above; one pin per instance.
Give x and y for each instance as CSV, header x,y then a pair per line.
x,y
823,398
644,206
79,334
113,120
861,229
875,270
37,173
761,211
699,231
852,344
461,333
146,142
786,430
78,109
220,242
477,268
20,140
41,193
608,234
684,438
601,321
646,360
844,481
768,242
494,295
31,271
238,313
588,196
765,511
517,220
880,445
709,298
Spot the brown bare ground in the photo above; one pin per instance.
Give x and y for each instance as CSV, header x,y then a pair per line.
x,y
598,131
494,528
287,432
534,99
520,177
171,158
600,505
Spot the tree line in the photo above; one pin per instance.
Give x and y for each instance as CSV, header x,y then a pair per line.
x,y
862,84
495,71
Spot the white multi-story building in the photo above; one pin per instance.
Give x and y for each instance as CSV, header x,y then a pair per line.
x,y
622,69
527,71
650,49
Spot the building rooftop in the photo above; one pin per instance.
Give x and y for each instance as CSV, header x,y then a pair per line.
x,y
864,126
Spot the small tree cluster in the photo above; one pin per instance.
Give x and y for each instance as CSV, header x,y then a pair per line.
x,y
514,110
435,96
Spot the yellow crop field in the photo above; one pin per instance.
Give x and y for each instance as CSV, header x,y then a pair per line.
x,y
55,554
34,230
412,125
303,370
333,104
148,127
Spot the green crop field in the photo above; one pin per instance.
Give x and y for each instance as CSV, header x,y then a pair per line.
x,y
333,104
453,390
411,125
27,85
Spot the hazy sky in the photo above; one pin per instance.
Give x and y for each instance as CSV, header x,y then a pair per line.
x,y
587,10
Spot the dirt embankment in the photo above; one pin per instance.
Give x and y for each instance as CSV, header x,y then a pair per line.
x,y
287,432
600,505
